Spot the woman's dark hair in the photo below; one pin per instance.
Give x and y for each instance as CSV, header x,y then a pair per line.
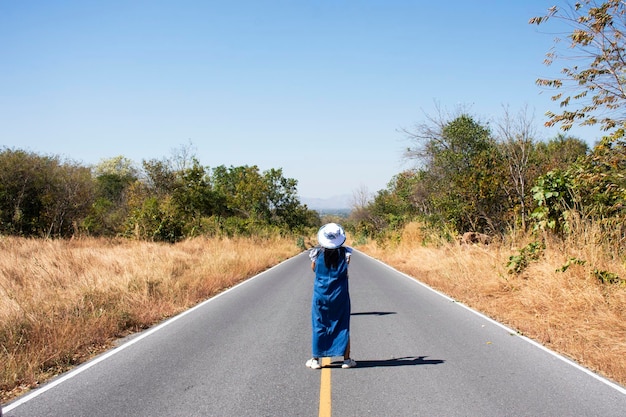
x,y
332,256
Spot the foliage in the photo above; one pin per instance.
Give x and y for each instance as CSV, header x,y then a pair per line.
x,y
606,277
467,178
68,198
554,198
238,200
601,180
157,220
113,179
560,152
531,252
42,195
590,192
390,209
596,82
168,200
282,206
570,262
460,180
119,166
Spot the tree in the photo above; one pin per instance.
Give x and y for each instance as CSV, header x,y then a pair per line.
x,y
596,82
193,194
113,176
555,200
161,176
461,176
560,152
113,179
242,189
282,199
516,137
600,180
42,195
118,165
266,198
393,207
68,197
22,183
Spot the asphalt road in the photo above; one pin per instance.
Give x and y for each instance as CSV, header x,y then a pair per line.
x,y
242,353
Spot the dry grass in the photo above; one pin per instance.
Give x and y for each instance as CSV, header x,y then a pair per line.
x,y
571,312
61,302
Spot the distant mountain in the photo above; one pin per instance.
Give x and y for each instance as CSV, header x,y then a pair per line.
x,y
339,202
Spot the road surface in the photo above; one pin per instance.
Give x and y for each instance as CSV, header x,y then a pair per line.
x,y
242,353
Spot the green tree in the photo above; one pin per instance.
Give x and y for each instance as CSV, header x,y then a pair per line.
x,y
113,178
390,209
196,200
156,219
561,152
119,166
600,182
22,184
556,200
592,90
160,176
285,208
461,178
67,199
42,195
243,190
192,192
266,198
592,189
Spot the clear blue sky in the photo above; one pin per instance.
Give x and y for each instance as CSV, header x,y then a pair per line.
x,y
319,88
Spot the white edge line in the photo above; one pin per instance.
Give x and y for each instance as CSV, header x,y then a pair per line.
x,y
48,386
508,329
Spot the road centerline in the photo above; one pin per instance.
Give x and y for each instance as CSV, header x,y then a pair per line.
x,y
325,408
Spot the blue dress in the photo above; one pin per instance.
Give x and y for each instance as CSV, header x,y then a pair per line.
x,y
330,310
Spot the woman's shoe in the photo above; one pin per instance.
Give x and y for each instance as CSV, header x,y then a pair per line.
x,y
313,364
348,363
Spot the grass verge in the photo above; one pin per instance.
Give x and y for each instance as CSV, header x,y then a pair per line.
x,y
569,296
64,301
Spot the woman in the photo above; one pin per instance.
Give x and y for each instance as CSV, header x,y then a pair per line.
x,y
330,310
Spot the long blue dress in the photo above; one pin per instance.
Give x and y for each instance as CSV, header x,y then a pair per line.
x,y
330,310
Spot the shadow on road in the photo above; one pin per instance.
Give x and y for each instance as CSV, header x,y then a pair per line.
x,y
373,313
406,361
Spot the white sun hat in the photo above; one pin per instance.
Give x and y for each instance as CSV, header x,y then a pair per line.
x,y
331,236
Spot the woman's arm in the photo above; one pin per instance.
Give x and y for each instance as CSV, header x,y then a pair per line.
x,y
313,256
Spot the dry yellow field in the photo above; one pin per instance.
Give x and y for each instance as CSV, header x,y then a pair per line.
x,y
63,301
570,311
